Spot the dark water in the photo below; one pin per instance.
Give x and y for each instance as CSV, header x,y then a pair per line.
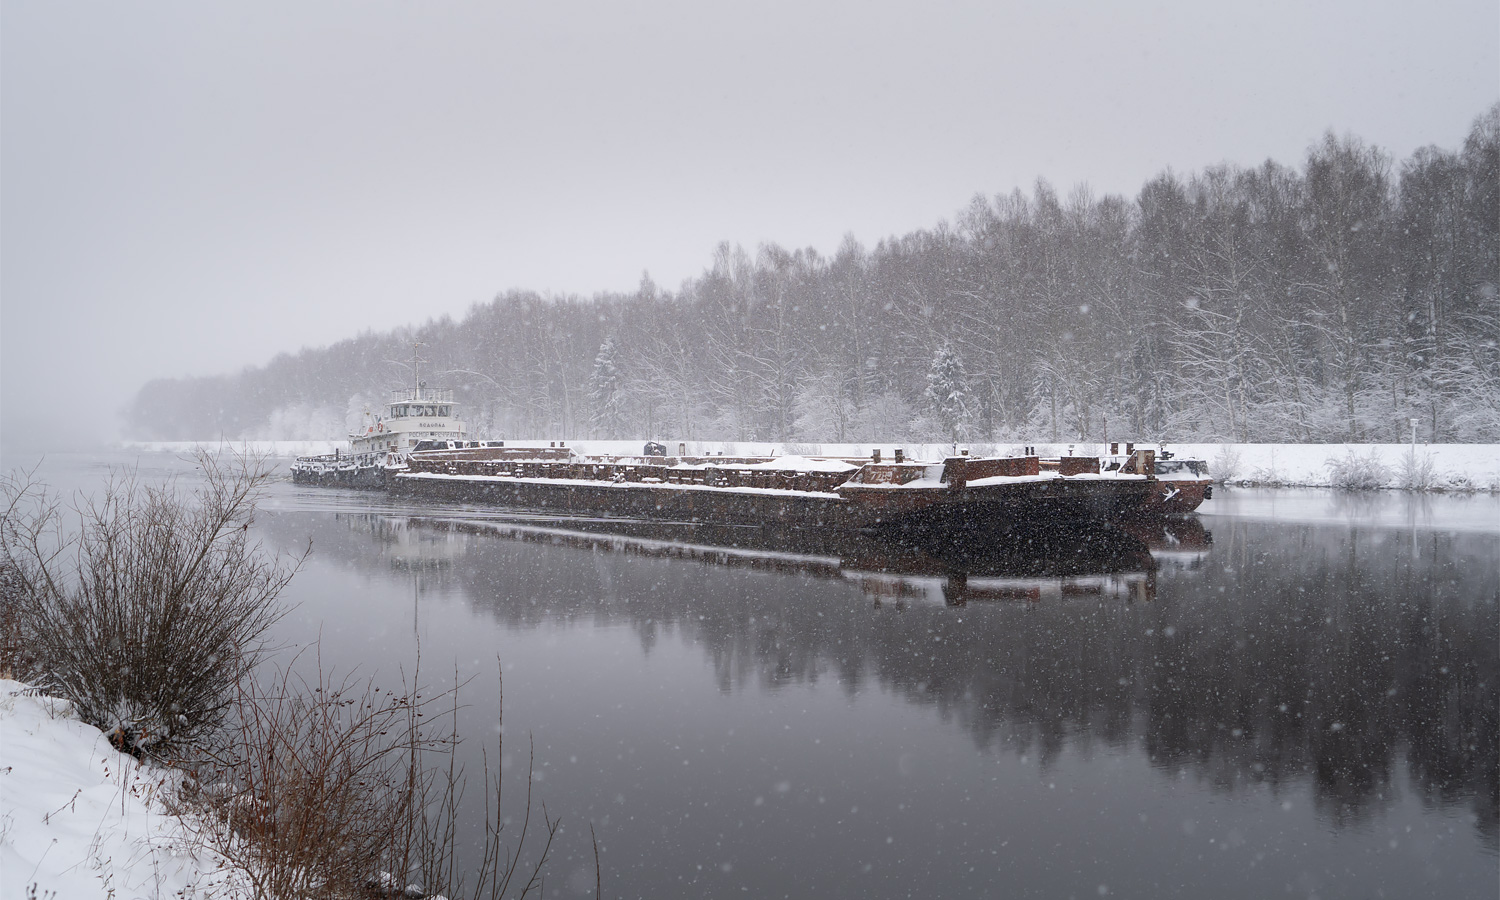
x,y
1293,695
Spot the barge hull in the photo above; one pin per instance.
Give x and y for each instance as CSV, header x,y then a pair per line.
x,y
368,478
970,512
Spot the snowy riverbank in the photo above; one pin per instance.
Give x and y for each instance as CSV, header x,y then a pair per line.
x,y
80,819
1436,467
1439,467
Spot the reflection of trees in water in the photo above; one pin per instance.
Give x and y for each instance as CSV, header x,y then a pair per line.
x,y
401,543
1292,653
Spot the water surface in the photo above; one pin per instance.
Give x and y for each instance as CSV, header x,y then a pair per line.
x,y
1294,694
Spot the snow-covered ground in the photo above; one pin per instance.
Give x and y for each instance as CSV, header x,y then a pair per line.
x,y
79,819
1449,467
1446,466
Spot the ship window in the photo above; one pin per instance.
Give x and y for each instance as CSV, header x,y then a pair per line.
x,y
443,411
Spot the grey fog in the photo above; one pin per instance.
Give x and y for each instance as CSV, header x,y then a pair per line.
x,y
189,189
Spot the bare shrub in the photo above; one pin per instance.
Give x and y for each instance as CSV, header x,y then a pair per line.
x,y
1417,473
150,616
15,650
1268,476
341,789
1225,466
1461,483
314,787
1356,473
151,610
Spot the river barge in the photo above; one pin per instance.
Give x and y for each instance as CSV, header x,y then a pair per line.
x,y
956,497
414,417
418,416
1185,483
419,448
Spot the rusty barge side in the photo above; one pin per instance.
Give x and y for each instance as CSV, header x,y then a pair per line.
x,y
959,496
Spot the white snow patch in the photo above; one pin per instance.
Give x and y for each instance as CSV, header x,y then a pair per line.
x,y
799,464
1453,466
79,819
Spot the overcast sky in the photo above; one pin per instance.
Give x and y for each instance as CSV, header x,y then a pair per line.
x,y
189,188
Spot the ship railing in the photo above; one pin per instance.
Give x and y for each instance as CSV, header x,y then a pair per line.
x,y
421,395
336,462
325,459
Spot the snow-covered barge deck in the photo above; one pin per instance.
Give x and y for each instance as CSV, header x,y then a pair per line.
x,y
959,495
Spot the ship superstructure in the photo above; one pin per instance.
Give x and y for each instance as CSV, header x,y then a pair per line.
x,y
417,415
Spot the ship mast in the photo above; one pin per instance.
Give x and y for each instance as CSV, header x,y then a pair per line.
x,y
416,368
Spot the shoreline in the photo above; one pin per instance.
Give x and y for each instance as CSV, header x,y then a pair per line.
x,y
87,820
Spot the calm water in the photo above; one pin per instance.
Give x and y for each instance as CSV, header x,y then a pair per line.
x,y
1293,695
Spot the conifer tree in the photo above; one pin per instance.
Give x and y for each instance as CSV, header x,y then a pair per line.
x,y
945,391
604,391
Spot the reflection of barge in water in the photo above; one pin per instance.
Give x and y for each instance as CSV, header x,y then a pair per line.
x,y
955,496
405,543
1040,565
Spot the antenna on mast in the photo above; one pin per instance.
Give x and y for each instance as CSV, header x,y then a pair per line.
x,y
416,368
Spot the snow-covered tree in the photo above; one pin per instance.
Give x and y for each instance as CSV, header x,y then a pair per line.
x,y
605,395
1321,302
823,410
945,391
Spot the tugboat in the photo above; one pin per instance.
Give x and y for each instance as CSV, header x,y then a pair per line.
x,y
418,417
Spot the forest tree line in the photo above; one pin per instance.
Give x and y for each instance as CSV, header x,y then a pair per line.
x,y
1334,301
